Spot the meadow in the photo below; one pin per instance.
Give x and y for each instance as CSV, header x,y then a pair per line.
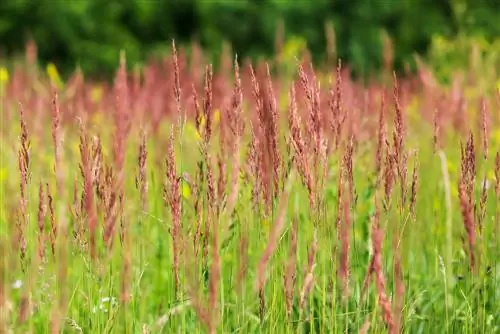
x,y
184,198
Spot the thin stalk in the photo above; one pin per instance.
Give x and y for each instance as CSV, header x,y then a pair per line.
x,y
449,235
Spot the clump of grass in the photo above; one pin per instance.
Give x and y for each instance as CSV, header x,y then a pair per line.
x,y
191,229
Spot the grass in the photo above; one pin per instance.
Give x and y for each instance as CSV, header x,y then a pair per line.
x,y
289,248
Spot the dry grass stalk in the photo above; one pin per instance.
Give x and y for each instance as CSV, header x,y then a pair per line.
x,y
336,108
177,82
482,203
254,164
459,118
122,128
242,261
436,130
192,284
24,307
200,175
314,124
484,128
390,161
237,127
198,207
274,235
264,140
53,224
126,265
214,282
466,208
309,278
121,115
210,199
256,152
402,171
221,179
377,241
112,205
290,275
42,212
497,174
62,271
414,186
77,208
207,105
262,305
398,295
208,116
382,135
98,172
205,166
56,138
272,132
399,141
141,180
366,281
468,167
347,161
301,154
88,190
340,197
25,177
172,197
345,227
199,114
365,327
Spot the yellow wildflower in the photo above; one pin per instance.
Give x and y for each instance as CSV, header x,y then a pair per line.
x,y
54,76
436,204
216,116
191,132
4,76
496,137
3,174
96,94
186,190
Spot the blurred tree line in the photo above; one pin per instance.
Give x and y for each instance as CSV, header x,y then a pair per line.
x,y
92,33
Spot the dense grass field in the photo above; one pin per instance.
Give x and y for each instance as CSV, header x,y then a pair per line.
x,y
184,199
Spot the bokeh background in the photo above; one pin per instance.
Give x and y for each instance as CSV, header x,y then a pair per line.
x,y
90,34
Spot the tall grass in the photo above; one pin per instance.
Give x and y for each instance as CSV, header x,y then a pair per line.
x,y
187,199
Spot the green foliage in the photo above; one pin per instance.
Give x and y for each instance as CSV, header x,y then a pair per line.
x,y
92,33
450,56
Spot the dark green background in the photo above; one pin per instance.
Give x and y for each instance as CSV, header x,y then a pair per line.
x,y
91,33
